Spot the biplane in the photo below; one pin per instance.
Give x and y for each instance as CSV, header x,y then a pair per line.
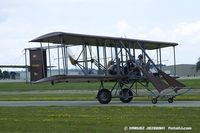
x,y
120,65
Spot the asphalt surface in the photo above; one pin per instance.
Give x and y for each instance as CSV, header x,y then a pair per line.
x,y
97,104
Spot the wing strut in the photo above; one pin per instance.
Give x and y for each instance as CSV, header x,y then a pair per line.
x,y
170,80
156,81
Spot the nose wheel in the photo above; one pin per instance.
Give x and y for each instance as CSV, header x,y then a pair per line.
x,y
104,96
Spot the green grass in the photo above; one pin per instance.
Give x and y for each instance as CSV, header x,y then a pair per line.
x,y
47,97
94,119
80,97
22,87
48,86
194,83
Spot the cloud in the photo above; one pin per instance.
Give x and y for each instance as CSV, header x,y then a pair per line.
x,y
187,32
182,32
122,26
21,21
187,29
187,35
3,15
156,33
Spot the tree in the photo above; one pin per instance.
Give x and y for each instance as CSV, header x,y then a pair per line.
x,y
6,75
198,65
13,75
1,74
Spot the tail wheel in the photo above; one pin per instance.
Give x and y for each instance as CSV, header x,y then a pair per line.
x,y
171,100
154,100
126,95
104,96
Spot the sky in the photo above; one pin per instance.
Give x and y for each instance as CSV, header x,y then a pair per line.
x,y
163,20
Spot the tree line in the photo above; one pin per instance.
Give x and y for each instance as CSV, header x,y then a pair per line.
x,y
198,65
7,75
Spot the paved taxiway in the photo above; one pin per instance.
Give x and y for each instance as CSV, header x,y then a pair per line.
x,y
96,103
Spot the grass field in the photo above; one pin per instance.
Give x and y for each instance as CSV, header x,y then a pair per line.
x,y
94,119
193,83
48,86
80,97
57,119
21,88
47,97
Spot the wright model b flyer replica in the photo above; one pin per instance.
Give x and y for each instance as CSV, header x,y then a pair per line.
x,y
120,65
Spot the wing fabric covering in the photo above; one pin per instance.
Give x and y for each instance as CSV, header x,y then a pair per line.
x,y
156,81
172,81
81,78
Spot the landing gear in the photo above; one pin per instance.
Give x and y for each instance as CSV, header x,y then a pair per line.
x,y
154,100
171,100
126,95
104,96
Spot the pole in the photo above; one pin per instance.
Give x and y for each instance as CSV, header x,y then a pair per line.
x,y
174,60
157,56
49,59
26,67
58,52
117,59
42,59
98,59
134,52
105,59
111,53
66,60
129,50
63,58
122,61
85,64
160,59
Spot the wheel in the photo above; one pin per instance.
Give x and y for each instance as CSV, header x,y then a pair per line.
x,y
126,95
170,100
154,100
104,96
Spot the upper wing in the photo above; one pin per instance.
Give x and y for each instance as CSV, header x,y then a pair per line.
x,y
93,40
